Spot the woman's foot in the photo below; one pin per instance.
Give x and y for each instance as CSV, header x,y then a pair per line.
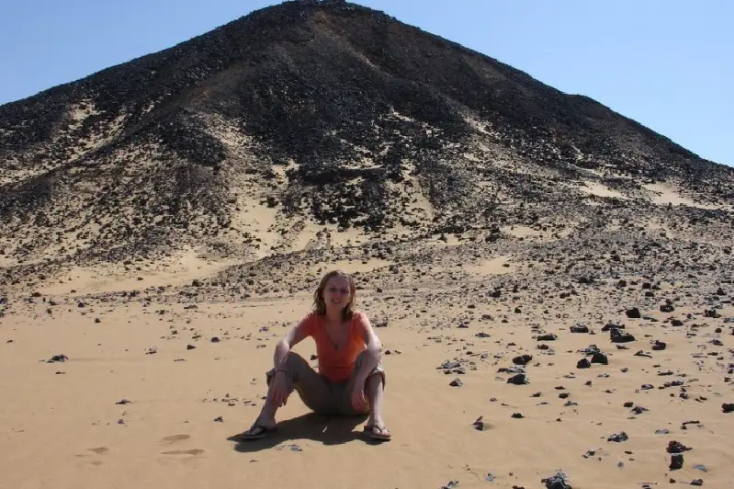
x,y
377,430
259,429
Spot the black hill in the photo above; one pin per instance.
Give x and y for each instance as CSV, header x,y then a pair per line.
x,y
326,113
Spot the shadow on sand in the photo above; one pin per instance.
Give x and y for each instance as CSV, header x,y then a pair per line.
x,y
329,430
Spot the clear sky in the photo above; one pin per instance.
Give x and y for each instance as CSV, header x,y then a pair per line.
x,y
665,63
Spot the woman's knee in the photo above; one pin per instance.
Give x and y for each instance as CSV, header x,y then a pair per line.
x,y
293,365
376,378
294,359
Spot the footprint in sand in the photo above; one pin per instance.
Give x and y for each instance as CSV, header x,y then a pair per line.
x,y
98,451
193,451
178,438
174,438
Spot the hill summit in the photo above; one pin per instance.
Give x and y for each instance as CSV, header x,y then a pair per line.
x,y
278,131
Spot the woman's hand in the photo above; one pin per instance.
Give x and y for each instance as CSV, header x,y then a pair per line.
x,y
279,394
359,402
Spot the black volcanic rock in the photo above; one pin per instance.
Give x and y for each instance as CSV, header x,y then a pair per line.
x,y
633,313
619,336
522,359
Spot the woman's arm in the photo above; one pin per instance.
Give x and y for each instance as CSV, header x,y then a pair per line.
x,y
373,348
291,339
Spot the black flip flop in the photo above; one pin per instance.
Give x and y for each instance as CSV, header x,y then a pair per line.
x,y
264,431
369,429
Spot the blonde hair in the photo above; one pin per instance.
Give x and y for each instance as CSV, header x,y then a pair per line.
x,y
318,299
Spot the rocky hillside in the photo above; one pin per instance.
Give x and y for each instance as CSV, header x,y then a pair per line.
x,y
311,118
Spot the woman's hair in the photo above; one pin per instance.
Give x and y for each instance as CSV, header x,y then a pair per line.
x,y
318,299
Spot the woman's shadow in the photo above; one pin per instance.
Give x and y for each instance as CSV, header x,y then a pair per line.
x,y
329,430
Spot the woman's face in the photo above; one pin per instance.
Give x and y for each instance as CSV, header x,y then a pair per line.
x,y
336,293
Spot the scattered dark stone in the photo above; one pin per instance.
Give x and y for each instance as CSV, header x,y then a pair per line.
x,y
97,321
547,337
697,482
659,345
629,404
619,336
612,325
518,379
517,415
522,359
676,322
557,481
600,358
190,347
479,424
633,313
667,308
676,461
727,407
590,350
456,383
583,363
512,370
619,437
123,402
58,358
677,447
215,339
219,419
639,409
579,328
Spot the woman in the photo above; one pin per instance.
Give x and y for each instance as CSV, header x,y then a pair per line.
x,y
350,380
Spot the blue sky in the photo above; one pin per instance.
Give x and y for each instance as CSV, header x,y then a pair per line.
x,y
666,63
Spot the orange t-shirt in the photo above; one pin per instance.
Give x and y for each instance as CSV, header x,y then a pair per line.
x,y
335,365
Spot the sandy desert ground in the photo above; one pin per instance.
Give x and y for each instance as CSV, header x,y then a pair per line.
x,y
154,386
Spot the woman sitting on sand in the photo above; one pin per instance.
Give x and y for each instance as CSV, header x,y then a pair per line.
x,y
350,380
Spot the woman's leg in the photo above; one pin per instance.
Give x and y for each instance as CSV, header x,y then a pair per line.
x,y
374,388
312,388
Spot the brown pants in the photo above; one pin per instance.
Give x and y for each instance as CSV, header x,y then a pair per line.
x,y
317,392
